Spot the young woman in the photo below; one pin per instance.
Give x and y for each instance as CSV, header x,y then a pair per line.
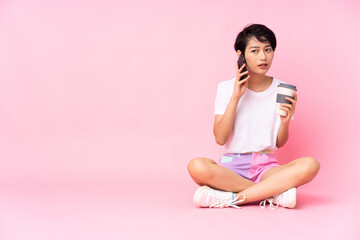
x,y
250,130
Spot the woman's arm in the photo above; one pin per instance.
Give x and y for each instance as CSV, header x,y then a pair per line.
x,y
283,133
223,124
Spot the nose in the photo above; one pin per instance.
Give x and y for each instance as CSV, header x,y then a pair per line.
x,y
262,55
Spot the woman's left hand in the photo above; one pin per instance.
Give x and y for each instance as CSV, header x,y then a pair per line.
x,y
289,108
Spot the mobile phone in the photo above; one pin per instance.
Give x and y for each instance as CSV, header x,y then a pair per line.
x,y
240,62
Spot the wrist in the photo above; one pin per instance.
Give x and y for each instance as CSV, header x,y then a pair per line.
x,y
285,124
234,98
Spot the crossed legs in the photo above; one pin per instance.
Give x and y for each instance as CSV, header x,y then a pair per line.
x,y
205,171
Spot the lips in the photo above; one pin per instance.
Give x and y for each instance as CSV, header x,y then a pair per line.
x,y
263,66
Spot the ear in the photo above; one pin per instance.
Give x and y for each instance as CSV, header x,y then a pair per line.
x,y
238,53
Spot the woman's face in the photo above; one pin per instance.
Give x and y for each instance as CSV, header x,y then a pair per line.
x,y
258,56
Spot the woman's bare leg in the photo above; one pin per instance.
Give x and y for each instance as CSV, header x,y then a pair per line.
x,y
205,171
282,178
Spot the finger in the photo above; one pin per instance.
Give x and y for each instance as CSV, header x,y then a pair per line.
x,y
287,106
244,80
246,83
240,75
288,111
242,67
295,96
243,73
237,69
290,99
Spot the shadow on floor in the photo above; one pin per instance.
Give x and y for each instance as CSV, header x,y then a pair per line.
x,y
305,200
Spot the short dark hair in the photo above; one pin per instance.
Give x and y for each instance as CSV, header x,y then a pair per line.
x,y
259,31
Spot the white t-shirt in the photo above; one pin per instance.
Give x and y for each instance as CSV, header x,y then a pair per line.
x,y
256,123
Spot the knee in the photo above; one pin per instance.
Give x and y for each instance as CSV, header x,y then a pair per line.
x,y
310,167
198,168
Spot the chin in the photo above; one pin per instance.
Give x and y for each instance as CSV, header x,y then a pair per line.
x,y
262,72
258,72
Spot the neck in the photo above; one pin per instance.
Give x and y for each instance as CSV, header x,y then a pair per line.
x,y
259,83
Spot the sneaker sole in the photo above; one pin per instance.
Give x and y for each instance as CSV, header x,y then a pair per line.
x,y
198,193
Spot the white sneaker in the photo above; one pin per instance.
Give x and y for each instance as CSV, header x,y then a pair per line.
x,y
208,197
286,199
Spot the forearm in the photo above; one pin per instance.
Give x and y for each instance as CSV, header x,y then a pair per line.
x,y
224,127
283,135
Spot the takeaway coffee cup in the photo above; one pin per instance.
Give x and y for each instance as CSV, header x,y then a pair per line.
x,y
284,90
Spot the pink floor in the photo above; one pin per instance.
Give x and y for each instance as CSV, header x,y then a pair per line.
x,y
151,209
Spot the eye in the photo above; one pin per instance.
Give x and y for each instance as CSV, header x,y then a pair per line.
x,y
254,51
268,49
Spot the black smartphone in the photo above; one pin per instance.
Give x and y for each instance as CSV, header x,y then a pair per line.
x,y
240,62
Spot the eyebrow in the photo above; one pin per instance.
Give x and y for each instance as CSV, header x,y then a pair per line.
x,y
259,47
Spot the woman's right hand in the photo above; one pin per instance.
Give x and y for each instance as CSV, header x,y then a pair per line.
x,y
240,86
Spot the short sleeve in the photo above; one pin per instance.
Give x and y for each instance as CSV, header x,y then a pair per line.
x,y
221,101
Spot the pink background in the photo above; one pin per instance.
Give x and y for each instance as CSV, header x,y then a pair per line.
x,y
94,93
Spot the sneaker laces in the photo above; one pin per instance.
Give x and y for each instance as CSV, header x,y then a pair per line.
x,y
220,200
271,203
